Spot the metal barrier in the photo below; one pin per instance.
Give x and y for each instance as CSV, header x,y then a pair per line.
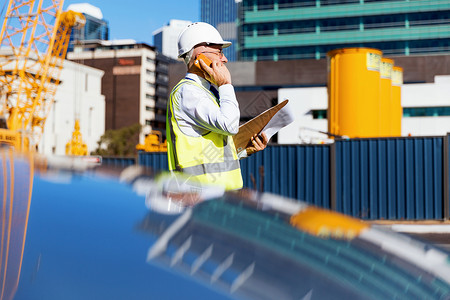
x,y
390,178
299,172
155,160
118,161
375,178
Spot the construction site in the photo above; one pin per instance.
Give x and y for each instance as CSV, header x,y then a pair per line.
x,y
350,198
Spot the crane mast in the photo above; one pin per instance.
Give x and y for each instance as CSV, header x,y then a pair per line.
x,y
33,45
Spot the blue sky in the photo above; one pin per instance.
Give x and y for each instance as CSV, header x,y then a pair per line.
x,y
132,19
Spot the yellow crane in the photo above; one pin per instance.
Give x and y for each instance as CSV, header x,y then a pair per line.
x,y
33,45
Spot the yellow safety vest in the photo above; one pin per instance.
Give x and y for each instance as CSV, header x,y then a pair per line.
x,y
210,158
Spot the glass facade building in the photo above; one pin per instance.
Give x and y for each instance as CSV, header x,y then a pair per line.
x,y
94,29
222,14
304,29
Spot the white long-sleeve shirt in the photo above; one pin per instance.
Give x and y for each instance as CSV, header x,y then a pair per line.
x,y
196,114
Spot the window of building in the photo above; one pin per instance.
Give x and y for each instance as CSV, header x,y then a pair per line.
x,y
149,108
162,67
339,24
295,3
265,29
150,60
149,72
148,122
296,52
296,27
162,89
149,97
265,4
247,5
162,78
246,55
387,21
429,18
429,46
265,54
438,111
149,84
319,114
397,47
247,29
368,1
337,2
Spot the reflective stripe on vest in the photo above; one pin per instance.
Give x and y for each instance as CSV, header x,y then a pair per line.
x,y
210,158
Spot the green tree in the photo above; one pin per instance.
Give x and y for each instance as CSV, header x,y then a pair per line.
x,y
119,142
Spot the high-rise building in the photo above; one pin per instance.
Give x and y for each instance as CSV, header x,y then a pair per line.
x,y
299,29
165,39
134,84
96,28
222,14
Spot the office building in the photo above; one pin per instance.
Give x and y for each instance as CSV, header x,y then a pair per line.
x,y
165,39
222,14
297,29
134,84
96,28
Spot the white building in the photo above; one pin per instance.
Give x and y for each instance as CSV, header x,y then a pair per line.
x,y
77,97
426,107
426,111
165,38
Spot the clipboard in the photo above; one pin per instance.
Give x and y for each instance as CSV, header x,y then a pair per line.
x,y
255,126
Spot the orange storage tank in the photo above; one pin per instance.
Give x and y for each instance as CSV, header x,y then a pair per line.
x,y
354,92
385,96
396,101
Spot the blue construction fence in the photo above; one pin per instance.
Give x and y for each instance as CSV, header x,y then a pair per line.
x,y
404,178
119,162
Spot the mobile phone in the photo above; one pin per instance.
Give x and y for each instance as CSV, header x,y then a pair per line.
x,y
205,59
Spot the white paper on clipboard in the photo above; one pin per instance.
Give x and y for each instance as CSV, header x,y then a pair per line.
x,y
282,118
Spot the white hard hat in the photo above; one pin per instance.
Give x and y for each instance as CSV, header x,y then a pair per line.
x,y
197,33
